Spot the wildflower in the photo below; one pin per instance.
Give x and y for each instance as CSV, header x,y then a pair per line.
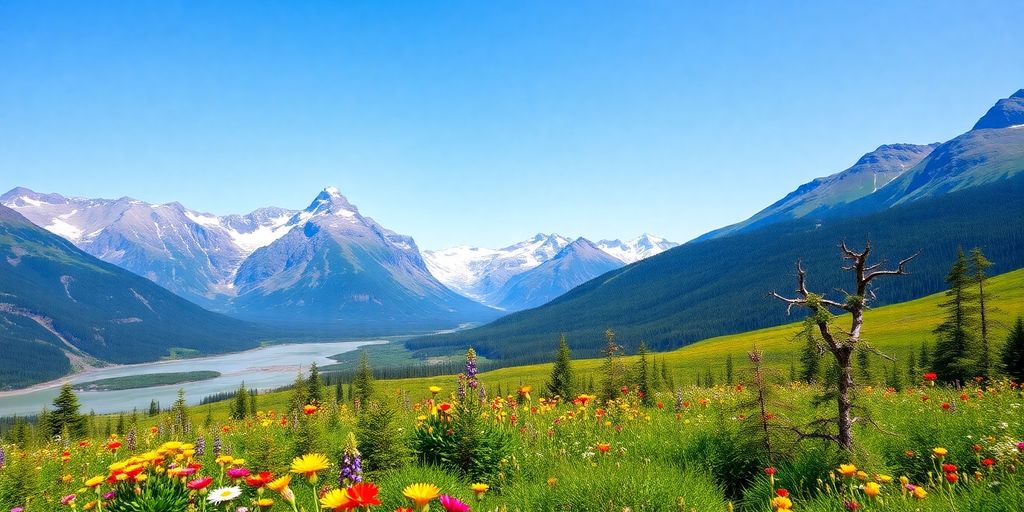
x,y
952,478
421,494
782,492
987,462
552,481
94,482
434,389
930,377
452,504
113,445
351,470
949,468
67,500
260,480
940,452
770,471
872,489
920,493
199,483
264,503
308,465
309,409
782,503
336,499
236,473
479,489
363,494
222,494
280,484
604,447
847,470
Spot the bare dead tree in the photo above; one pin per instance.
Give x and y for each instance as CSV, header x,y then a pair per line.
x,y
840,343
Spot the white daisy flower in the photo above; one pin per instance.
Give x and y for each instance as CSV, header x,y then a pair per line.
x,y
222,494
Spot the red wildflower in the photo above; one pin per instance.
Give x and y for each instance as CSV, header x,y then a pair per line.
x,y
199,483
952,478
949,468
945,406
988,462
364,494
782,492
930,376
769,471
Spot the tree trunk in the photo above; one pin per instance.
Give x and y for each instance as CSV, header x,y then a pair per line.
x,y
845,418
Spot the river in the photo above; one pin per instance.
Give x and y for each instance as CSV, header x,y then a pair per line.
x,y
261,368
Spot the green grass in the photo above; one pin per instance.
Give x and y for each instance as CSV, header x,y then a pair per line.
x,y
145,381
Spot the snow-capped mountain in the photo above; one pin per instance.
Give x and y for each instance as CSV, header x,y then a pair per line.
x,y
481,273
477,272
636,249
326,264
574,265
191,253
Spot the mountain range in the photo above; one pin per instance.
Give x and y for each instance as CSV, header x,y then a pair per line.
x,y
62,308
484,274
965,192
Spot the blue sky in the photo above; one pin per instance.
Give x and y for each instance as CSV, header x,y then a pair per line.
x,y
485,122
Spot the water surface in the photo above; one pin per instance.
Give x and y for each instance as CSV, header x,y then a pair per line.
x,y
262,368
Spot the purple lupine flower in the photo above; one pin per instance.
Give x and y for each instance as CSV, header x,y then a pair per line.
x,y
216,446
471,368
483,392
3,457
460,387
351,463
200,446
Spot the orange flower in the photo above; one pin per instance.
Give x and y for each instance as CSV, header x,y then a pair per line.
x,y
363,494
309,409
604,447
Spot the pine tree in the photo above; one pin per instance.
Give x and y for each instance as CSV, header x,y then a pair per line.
x,y
643,379
179,412
120,429
1013,352
894,380
314,387
810,358
298,398
728,370
611,370
792,371
154,407
926,357
913,372
665,377
709,378
252,403
560,383
864,365
381,439
65,415
362,384
339,392
241,406
955,358
979,264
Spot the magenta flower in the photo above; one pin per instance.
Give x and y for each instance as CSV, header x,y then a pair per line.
x,y
452,504
67,499
236,473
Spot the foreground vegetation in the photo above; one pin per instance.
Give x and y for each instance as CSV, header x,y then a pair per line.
x,y
749,429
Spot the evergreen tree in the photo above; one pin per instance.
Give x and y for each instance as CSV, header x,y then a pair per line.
x,y
611,370
314,386
864,365
810,358
792,371
299,388
894,380
913,372
339,392
154,407
979,264
179,411
241,406
252,403
1013,352
560,383
643,379
65,416
709,378
925,358
120,429
955,358
362,384
728,370
665,377
381,438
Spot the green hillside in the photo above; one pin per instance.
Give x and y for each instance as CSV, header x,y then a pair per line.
x,y
896,330
61,307
715,287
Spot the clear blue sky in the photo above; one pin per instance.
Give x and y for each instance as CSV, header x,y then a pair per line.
x,y
486,122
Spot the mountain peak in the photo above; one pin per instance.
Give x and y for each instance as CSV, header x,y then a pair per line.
x,y
331,202
1004,114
